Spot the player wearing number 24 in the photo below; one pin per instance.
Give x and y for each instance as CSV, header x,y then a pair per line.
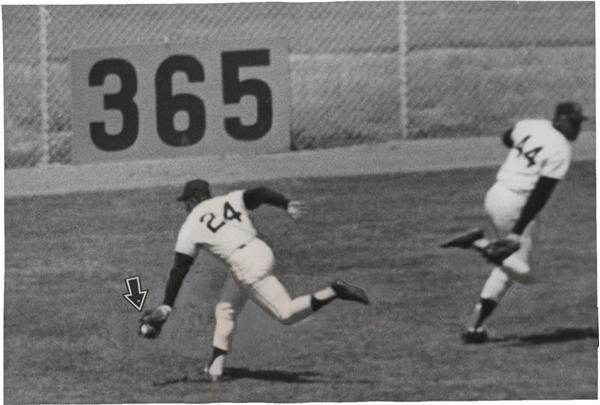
x,y
539,156
222,225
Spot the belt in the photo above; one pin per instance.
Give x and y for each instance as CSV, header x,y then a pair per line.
x,y
243,245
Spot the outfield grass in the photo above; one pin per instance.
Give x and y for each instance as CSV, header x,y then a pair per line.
x,y
71,337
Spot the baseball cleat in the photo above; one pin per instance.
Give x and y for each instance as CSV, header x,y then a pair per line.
x,y
215,369
464,241
474,336
350,292
213,377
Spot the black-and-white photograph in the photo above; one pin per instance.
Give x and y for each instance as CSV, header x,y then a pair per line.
x,y
290,202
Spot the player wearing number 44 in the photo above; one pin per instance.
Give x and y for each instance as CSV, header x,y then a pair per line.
x,y
222,225
539,156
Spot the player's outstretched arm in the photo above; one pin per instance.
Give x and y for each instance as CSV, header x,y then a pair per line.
x,y
181,266
153,320
255,197
538,198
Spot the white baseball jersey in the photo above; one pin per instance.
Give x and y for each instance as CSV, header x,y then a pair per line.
x,y
220,224
538,150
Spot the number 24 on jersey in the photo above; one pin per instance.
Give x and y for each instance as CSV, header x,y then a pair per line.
x,y
213,223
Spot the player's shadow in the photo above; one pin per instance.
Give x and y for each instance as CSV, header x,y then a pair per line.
x,y
557,336
302,377
239,373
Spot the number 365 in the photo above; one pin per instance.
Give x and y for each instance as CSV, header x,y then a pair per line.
x,y
168,103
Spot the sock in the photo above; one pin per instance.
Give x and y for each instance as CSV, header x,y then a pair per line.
x,y
322,298
316,303
485,307
216,353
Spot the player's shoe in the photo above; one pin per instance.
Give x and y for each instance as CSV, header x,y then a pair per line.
x,y
215,369
465,240
213,377
350,292
474,336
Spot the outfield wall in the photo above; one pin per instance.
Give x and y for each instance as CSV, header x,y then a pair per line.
x,y
391,157
360,72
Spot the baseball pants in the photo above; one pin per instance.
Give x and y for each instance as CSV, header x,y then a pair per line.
x,y
504,207
251,278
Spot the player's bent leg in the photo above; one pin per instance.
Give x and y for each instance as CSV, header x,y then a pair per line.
x,y
516,265
503,208
269,294
496,285
518,270
272,296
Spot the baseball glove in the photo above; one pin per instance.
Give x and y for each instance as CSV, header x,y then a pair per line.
x,y
152,321
499,250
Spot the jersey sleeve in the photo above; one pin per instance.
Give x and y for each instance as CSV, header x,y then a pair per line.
x,y
236,199
261,195
186,243
557,165
507,139
518,132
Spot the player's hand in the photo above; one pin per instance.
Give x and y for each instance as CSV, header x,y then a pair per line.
x,y
153,320
296,209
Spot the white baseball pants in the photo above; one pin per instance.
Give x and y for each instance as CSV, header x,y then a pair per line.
x,y
251,278
504,207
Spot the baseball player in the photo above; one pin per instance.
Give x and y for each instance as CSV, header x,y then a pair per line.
x,y
221,225
539,157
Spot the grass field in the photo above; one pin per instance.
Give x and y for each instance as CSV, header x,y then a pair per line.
x,y
71,337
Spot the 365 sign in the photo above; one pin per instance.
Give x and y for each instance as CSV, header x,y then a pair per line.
x,y
142,102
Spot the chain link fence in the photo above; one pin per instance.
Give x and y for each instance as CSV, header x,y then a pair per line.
x,y
360,72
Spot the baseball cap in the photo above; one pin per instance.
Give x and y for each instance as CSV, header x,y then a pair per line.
x,y
570,110
195,188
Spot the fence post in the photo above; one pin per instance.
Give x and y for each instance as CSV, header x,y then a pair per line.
x,y
402,69
43,21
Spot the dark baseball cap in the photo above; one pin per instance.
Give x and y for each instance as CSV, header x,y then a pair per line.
x,y
195,188
570,110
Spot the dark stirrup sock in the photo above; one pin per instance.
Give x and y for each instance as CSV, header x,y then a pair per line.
x,y
487,307
216,353
316,303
